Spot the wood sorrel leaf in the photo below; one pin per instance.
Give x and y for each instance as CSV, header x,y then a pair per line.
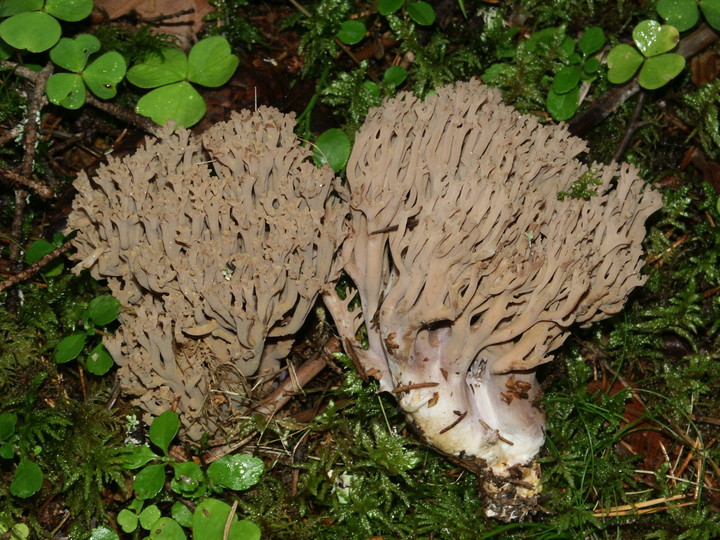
x,y
652,38
623,61
659,70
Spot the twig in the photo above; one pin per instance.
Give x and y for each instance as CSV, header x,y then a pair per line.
x,y
35,267
229,520
126,115
632,127
30,136
281,395
39,188
689,46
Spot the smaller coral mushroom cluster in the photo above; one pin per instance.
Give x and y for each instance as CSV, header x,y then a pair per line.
x,y
218,249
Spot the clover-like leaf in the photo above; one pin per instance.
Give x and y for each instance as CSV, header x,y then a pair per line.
x,y
66,90
659,70
211,62
652,38
34,31
169,66
13,7
711,11
72,54
682,14
178,102
623,62
69,10
104,73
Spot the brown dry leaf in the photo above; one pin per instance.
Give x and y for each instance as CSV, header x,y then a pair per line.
x,y
185,27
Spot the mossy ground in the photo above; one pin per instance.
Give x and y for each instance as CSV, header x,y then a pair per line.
x,y
633,404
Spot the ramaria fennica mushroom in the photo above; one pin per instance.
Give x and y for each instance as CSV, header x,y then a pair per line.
x,y
218,249
470,269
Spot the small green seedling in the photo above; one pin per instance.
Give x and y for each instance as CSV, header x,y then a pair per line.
x,y
236,472
657,66
101,311
33,25
563,99
210,63
27,478
420,12
333,148
101,76
684,14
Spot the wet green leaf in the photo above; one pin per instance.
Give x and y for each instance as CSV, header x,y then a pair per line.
x,y
236,471
127,520
13,7
189,480
148,516
72,54
209,523
395,75
652,38
566,79
137,456
7,425
386,7
104,73
167,529
682,14
563,106
37,250
711,11
69,10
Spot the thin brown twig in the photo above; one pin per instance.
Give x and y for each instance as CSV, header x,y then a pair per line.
x,y
632,127
38,187
34,268
282,394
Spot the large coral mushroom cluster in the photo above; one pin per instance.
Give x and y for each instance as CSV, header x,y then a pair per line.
x,y
218,248
470,268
